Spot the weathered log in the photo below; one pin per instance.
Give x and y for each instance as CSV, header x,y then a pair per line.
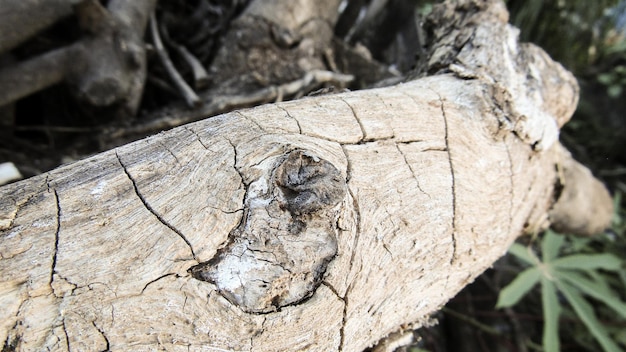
x,y
98,254
320,224
107,67
22,19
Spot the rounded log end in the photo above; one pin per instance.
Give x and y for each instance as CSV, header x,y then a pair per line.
x,y
584,207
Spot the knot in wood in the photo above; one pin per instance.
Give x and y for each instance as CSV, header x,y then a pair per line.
x,y
279,252
309,183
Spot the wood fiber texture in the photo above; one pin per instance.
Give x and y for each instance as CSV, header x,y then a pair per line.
x,y
398,196
96,255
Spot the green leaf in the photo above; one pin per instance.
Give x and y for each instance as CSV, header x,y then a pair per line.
x,y
616,48
524,253
551,312
594,290
600,282
604,261
550,245
513,292
585,312
614,90
578,244
606,78
620,337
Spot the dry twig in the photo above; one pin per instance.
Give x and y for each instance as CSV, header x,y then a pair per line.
x,y
191,98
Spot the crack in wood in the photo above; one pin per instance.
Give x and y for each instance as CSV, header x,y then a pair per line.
x,y
168,150
13,335
288,114
385,139
104,336
357,210
445,121
241,177
56,238
247,118
344,313
192,131
7,223
67,338
155,280
406,161
358,121
151,210
61,277
344,318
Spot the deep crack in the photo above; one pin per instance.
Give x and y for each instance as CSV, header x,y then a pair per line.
x,y
104,336
155,280
67,338
344,314
344,319
151,210
56,237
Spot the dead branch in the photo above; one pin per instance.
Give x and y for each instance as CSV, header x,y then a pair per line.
x,y
191,98
22,19
106,68
36,74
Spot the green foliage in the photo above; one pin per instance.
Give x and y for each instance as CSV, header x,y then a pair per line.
x,y
574,32
580,278
614,80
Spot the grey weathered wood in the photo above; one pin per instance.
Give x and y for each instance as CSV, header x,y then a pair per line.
x,y
96,253
437,177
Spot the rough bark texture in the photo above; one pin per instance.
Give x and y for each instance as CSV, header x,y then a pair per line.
x,y
274,42
320,224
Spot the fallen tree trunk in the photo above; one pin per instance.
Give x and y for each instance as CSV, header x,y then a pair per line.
x,y
323,224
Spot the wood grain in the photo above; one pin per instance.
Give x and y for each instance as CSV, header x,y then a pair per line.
x,y
441,175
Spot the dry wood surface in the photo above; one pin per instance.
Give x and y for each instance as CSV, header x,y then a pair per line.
x,y
323,224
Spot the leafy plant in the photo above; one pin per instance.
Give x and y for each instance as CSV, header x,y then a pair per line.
x,y
573,278
614,80
569,30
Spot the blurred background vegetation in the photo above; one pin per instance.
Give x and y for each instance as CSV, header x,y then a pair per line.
x,y
543,304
